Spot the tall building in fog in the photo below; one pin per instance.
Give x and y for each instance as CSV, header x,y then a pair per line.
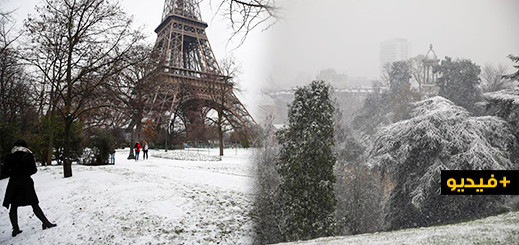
x,y
394,50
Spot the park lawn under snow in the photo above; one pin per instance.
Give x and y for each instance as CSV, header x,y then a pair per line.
x,y
165,201
499,229
156,201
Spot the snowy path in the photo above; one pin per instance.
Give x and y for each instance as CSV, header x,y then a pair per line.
x,y
157,201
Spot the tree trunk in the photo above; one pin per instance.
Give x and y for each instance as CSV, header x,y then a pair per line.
x,y
132,140
220,131
50,144
166,141
138,126
67,164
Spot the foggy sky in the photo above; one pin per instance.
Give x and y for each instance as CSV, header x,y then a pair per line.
x,y
345,35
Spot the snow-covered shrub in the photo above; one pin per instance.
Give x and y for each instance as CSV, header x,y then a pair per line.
x,y
439,135
98,148
505,104
267,203
459,82
89,156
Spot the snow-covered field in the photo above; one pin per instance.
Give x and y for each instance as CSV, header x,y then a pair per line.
x,y
164,201
156,201
500,229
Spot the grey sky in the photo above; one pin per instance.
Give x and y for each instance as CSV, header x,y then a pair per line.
x,y
346,34
147,14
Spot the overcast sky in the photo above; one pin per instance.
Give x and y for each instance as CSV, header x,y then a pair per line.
x,y
346,34
148,14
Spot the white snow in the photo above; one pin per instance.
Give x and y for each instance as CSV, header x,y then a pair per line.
x,y
509,95
155,201
164,201
194,155
500,229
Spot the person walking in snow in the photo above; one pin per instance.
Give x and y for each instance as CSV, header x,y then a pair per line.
x,y
137,148
19,166
112,154
144,150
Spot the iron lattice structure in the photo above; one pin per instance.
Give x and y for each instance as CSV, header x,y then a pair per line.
x,y
191,80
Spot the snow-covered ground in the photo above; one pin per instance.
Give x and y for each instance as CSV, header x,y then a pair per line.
x,y
164,201
156,201
500,229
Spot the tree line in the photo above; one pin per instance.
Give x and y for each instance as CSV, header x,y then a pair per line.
x,y
79,68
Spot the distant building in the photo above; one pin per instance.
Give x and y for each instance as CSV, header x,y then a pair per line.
x,y
266,106
277,103
334,79
356,82
394,50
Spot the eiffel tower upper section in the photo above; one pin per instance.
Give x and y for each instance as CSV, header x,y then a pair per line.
x,y
189,71
183,43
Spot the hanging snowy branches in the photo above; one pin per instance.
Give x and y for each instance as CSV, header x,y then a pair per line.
x,y
440,135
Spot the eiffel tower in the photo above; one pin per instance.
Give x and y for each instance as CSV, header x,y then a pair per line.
x,y
191,75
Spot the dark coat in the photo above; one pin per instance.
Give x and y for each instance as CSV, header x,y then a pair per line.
x,y
20,189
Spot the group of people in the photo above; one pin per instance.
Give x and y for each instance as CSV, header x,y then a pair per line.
x,y
137,147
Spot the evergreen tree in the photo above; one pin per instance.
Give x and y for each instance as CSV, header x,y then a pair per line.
x,y
439,135
514,76
400,94
459,82
306,165
504,104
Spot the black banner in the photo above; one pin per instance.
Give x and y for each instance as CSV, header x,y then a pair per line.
x,y
480,182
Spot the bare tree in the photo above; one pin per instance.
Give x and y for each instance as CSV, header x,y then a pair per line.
x,y
132,91
246,15
17,111
7,38
221,92
416,69
85,41
492,78
384,76
12,91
